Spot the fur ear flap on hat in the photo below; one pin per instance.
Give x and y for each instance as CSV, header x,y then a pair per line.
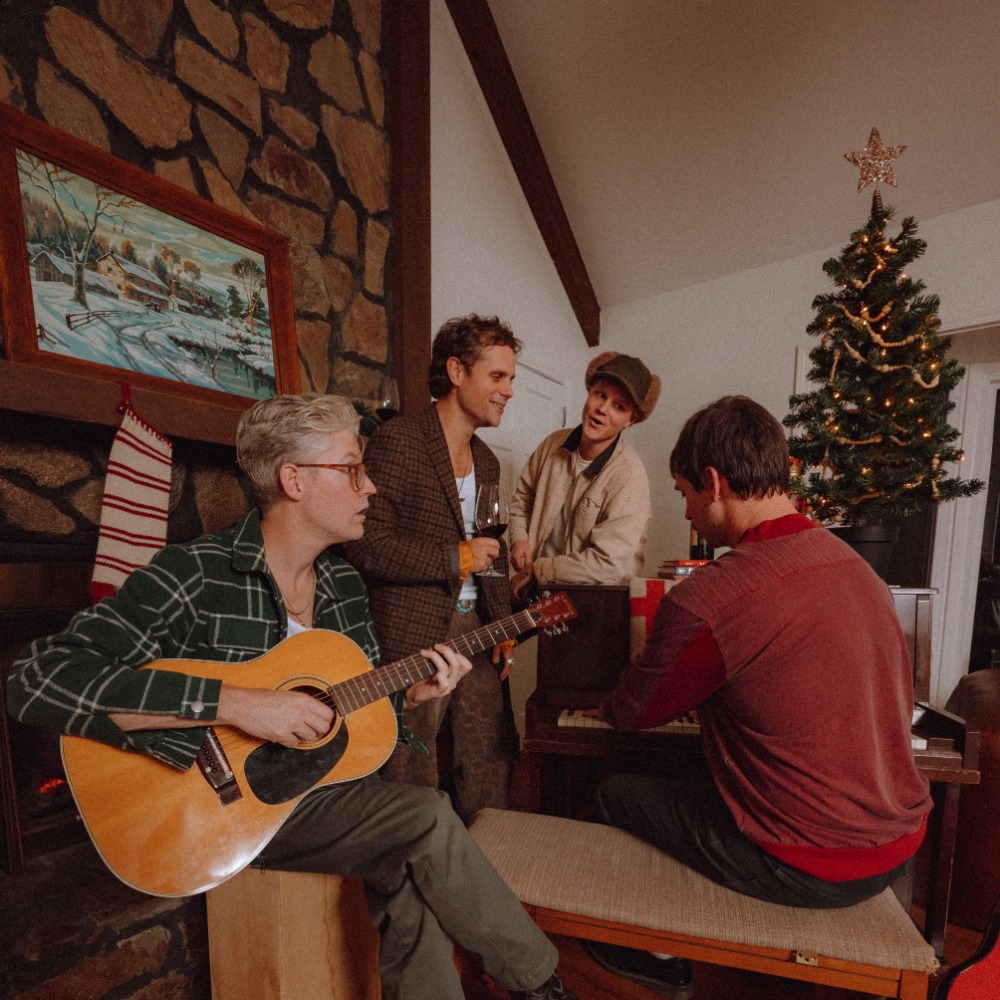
x,y
642,386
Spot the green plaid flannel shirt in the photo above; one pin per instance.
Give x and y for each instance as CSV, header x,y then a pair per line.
x,y
211,599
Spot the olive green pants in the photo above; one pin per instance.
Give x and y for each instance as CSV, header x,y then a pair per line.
x,y
427,884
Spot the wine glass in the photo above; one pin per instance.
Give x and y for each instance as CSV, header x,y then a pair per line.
x,y
387,403
492,516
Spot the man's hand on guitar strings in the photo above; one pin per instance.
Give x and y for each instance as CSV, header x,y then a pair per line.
x,y
451,665
285,717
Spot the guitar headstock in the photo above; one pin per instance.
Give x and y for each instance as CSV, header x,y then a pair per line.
x,y
552,611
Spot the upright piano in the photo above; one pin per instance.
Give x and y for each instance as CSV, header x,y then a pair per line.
x,y
579,666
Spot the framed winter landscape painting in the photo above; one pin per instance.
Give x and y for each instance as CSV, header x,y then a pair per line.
x,y
109,273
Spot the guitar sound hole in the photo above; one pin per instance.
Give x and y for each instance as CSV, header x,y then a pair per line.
x,y
319,692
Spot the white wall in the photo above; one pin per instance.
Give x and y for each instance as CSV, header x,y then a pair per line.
x,y
736,334
739,334
487,255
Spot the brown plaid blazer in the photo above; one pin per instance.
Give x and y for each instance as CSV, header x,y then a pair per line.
x,y
409,553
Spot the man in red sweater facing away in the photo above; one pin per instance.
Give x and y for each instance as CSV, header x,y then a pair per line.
x,y
789,647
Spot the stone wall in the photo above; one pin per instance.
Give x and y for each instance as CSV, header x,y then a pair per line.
x,y
273,109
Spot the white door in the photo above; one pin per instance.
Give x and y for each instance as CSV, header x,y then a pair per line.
x,y
537,408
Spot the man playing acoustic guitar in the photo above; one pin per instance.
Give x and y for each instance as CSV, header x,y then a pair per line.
x,y
231,597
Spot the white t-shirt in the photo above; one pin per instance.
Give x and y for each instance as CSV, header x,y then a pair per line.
x,y
467,498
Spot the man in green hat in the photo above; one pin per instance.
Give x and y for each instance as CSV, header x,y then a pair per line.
x,y
581,507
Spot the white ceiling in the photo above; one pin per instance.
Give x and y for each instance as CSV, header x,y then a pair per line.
x,y
691,139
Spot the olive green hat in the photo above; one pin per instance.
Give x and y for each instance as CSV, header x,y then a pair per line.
x,y
632,375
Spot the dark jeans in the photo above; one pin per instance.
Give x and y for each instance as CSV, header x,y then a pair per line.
x,y
692,823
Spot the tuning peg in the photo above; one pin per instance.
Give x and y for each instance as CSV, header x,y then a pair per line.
x,y
556,629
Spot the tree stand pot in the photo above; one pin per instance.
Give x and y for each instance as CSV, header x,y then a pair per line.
x,y
873,542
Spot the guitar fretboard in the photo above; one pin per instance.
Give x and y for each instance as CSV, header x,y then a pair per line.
x,y
372,685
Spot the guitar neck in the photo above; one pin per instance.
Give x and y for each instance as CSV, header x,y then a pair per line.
x,y
373,685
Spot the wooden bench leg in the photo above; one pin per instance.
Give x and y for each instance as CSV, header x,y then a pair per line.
x,y
277,935
912,986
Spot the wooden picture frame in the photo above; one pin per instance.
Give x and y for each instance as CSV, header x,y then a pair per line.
x,y
109,274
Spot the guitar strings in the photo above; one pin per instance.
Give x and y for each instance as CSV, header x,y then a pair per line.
x,y
415,667
399,674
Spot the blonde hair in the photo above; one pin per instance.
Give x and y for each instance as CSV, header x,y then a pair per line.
x,y
285,428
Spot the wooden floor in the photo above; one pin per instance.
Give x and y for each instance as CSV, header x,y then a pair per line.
x,y
711,982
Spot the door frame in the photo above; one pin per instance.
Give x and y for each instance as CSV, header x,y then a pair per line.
x,y
959,536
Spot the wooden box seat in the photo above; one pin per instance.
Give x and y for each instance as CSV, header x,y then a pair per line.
x,y
596,882
275,935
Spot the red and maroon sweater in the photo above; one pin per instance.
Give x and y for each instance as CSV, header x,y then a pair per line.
x,y
790,648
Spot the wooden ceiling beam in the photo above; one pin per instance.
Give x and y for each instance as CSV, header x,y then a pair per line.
x,y
483,44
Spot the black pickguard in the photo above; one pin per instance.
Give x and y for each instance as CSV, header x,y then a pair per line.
x,y
279,774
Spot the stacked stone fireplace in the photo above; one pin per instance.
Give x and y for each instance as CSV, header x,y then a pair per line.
x,y
51,478
273,110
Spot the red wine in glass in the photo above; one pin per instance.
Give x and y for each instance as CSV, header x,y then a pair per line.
x,y
387,403
492,516
493,530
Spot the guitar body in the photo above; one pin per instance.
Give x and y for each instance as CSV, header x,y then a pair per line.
x,y
167,832
173,833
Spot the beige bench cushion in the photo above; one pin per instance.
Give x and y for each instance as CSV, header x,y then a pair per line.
x,y
605,873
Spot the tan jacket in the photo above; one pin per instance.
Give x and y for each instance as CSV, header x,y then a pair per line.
x,y
610,511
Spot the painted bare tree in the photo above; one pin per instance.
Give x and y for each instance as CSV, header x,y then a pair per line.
x,y
193,271
79,205
172,259
251,277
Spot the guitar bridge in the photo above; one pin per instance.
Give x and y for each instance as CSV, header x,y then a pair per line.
x,y
214,765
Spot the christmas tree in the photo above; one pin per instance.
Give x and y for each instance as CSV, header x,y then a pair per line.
x,y
873,440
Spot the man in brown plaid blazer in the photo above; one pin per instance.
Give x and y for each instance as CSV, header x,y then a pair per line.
x,y
419,561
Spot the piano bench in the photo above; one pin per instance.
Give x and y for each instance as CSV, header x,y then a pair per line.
x,y
590,881
275,935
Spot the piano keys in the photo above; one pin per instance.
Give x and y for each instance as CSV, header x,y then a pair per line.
x,y
579,668
577,719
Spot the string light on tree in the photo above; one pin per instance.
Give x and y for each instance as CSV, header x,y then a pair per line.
x,y
879,341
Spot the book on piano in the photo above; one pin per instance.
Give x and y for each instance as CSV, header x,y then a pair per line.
x,y
678,569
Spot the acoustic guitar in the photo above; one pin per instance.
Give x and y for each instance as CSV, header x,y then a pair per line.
x,y
170,832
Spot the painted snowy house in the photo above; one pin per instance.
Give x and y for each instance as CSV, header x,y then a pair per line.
x,y
51,267
132,281
197,297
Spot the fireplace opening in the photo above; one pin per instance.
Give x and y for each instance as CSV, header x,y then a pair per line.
x,y
38,812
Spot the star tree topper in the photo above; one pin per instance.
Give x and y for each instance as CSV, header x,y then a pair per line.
x,y
875,161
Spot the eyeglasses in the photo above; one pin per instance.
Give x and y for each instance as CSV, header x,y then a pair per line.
x,y
357,470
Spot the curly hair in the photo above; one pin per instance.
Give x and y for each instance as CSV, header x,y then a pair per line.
x,y
283,429
741,440
465,338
